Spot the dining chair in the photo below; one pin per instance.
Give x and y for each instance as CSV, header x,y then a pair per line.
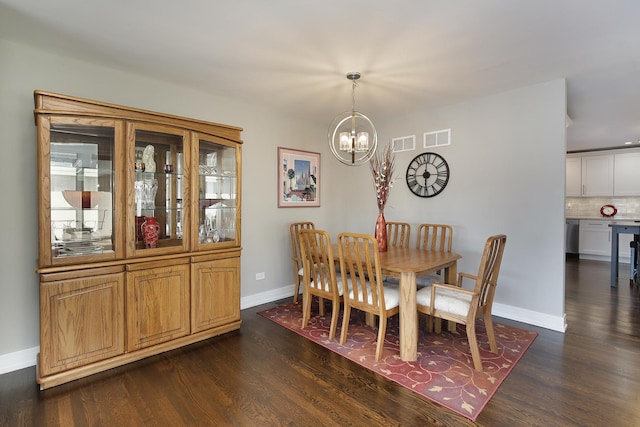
x,y
360,268
460,305
398,234
319,275
435,237
294,228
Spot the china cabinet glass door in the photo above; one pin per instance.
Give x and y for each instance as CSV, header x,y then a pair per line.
x,y
217,192
81,200
158,169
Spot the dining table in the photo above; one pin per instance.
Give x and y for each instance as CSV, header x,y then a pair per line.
x,y
407,264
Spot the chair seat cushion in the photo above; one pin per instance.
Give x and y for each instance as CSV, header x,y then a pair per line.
x,y
325,286
391,296
446,300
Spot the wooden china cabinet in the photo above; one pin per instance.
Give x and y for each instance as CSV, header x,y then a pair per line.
x,y
139,234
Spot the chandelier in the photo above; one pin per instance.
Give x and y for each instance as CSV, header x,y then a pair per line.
x,y
352,136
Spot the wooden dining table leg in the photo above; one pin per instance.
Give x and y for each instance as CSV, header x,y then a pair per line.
x,y
408,317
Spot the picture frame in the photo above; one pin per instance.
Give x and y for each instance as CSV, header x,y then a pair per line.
x,y
298,178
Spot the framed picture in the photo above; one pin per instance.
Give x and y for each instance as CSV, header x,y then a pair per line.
x,y
298,178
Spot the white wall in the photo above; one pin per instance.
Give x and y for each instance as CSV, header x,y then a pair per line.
x,y
507,176
507,162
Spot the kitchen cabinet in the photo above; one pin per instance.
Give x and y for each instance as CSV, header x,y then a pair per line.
x,y
573,177
605,174
139,233
597,175
626,180
595,239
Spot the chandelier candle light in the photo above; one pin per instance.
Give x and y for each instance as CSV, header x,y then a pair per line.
x,y
382,166
352,136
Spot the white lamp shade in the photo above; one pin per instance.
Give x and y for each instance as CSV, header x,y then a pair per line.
x,y
345,141
362,142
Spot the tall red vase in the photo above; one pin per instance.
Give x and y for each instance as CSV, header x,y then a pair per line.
x,y
381,233
150,232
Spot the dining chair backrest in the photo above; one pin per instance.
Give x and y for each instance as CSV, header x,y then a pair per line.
x,y
360,265
398,234
318,261
487,277
361,272
294,229
435,237
319,275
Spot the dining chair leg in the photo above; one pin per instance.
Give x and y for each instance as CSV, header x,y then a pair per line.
x,y
335,311
488,322
370,319
438,325
321,304
429,324
382,329
473,345
451,326
306,308
296,291
345,323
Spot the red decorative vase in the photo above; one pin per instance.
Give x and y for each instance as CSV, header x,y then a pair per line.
x,y
150,232
381,232
139,230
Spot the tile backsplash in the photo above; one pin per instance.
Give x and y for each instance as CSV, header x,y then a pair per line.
x,y
589,207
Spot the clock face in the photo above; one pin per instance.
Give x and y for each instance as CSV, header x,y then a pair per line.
x,y
427,175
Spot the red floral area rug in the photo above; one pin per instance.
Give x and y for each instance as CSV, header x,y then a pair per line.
x,y
443,372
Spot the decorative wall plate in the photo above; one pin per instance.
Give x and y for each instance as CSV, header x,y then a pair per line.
x,y
608,211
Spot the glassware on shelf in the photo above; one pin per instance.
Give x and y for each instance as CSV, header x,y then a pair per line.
x,y
145,194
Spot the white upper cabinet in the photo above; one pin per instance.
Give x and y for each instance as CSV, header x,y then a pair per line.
x,y
603,174
627,174
573,177
597,175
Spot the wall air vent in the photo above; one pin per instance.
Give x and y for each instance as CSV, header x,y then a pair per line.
x,y
404,143
437,138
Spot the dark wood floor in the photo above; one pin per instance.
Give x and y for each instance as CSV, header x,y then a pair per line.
x,y
266,375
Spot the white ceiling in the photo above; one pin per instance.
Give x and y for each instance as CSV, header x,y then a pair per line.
x,y
293,55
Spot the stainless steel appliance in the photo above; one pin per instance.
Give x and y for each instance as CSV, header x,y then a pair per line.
x,y
572,236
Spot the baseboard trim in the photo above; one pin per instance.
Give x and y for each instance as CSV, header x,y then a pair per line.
x,y
266,297
547,321
18,360
25,358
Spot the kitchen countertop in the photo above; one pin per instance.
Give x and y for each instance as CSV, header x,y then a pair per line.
x,y
626,223
616,219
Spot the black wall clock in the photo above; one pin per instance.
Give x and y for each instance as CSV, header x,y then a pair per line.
x,y
427,174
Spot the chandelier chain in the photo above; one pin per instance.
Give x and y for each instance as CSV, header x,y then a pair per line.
x,y
353,96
